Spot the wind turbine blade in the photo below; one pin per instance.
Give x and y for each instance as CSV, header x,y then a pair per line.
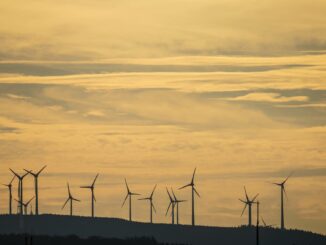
x,y
17,201
255,197
29,201
65,203
175,198
246,193
242,201
125,200
86,187
287,178
127,186
286,195
23,176
68,190
244,209
41,170
153,191
193,176
184,186
94,198
77,200
14,173
135,194
11,181
196,192
95,179
29,171
146,198
153,207
263,221
168,208
169,194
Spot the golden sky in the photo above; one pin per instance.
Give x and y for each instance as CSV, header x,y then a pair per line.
x,y
148,90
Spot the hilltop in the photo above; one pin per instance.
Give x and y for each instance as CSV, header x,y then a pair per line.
x,y
85,227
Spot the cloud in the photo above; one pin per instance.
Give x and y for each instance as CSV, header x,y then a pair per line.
x,y
95,113
268,97
8,129
157,31
19,97
317,105
57,69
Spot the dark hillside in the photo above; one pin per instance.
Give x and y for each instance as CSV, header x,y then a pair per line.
x,y
84,227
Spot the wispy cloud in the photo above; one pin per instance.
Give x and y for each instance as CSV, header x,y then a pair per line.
x,y
268,97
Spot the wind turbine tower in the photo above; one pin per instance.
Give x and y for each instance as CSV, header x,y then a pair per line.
x,y
193,191
91,187
25,205
248,202
36,175
10,194
20,190
282,186
129,194
177,201
71,199
172,205
257,226
151,208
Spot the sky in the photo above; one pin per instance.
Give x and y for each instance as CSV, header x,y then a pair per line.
x,y
148,90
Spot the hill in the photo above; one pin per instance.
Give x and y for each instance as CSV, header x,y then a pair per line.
x,y
84,227
74,240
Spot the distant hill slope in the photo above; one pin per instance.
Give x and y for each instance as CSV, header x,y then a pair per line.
x,y
74,240
55,225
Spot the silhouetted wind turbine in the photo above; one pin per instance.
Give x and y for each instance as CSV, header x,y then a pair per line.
x,y
129,194
10,194
249,203
71,199
257,224
171,204
265,225
177,201
20,189
193,191
25,205
150,199
36,175
282,185
91,187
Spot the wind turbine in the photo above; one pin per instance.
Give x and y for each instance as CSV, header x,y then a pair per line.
x,y
282,185
177,201
91,187
265,225
25,205
129,194
257,224
150,199
10,194
36,175
20,189
193,191
172,205
248,203
71,199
